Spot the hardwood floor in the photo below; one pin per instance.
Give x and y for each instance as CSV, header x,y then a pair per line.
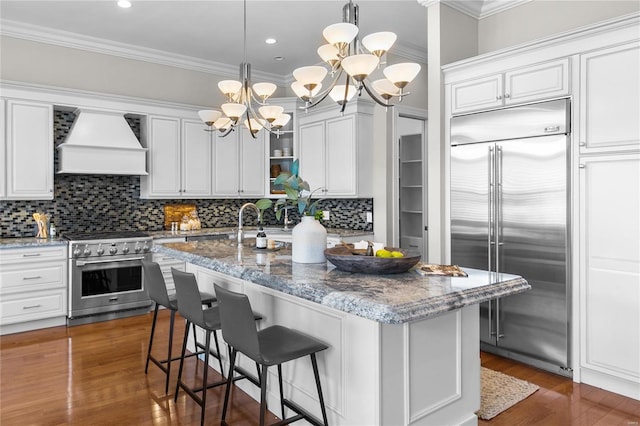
x,y
94,375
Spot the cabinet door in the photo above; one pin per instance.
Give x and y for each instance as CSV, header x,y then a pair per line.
x,y
340,165
226,160
312,154
29,151
3,150
197,156
610,266
541,81
481,93
252,164
164,157
609,101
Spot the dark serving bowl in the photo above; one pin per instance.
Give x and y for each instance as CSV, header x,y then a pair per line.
x,y
345,258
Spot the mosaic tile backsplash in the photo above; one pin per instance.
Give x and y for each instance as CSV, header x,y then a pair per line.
x,y
112,203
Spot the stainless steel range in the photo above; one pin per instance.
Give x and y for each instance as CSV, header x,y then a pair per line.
x,y
105,275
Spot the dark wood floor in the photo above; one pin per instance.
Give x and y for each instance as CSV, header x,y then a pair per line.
x,y
94,375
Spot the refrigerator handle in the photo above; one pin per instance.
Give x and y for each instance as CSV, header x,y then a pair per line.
x,y
490,220
498,214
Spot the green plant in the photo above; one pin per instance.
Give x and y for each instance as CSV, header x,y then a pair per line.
x,y
298,194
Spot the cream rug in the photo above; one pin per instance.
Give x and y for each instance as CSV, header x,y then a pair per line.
x,y
499,391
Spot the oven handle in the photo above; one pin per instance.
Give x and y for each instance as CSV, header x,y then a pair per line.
x,y
83,263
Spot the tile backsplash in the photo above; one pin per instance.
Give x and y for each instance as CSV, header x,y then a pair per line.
x,y
108,202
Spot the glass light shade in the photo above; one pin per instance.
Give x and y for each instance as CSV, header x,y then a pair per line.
x,y
379,43
233,111
270,112
360,66
209,116
310,76
329,54
281,121
340,34
402,74
222,123
385,88
229,88
256,125
264,90
304,93
337,93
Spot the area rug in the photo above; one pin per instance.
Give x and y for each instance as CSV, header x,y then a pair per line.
x,y
499,391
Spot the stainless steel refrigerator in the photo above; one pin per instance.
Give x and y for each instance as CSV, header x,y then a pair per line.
x,y
509,214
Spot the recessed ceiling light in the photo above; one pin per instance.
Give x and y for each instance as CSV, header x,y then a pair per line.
x,y
278,58
125,4
271,41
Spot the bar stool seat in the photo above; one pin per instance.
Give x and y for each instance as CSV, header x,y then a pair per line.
x,y
274,345
157,289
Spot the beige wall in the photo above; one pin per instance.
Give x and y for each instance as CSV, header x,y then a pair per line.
x,y
542,18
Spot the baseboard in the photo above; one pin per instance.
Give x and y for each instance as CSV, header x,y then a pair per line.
x,y
610,383
32,325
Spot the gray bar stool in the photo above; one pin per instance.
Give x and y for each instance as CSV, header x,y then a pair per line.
x,y
274,345
157,289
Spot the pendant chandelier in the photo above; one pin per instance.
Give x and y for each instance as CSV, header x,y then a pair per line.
x,y
240,98
344,55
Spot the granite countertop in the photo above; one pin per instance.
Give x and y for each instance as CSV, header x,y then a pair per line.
x,y
392,299
331,232
11,243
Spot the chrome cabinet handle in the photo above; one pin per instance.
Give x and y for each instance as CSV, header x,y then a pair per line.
x,y
32,307
31,255
551,129
32,278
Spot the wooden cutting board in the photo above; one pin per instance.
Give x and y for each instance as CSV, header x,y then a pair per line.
x,y
175,212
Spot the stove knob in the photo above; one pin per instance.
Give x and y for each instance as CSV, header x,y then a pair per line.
x,y
87,250
145,248
76,251
137,248
113,250
125,248
100,250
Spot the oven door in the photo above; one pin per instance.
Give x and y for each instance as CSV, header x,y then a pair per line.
x,y
106,285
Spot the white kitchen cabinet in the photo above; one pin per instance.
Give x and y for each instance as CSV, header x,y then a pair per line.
x,y
610,272
167,262
521,85
180,158
610,99
29,151
33,288
239,165
335,153
285,142
3,150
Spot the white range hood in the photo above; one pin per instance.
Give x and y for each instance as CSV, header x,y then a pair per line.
x,y
101,142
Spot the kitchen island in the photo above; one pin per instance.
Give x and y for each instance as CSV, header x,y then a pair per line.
x,y
404,348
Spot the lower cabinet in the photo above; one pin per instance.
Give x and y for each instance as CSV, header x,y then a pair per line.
x,y
609,278
33,288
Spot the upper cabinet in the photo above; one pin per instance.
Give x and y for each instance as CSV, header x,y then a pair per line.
x,y
334,151
180,158
282,149
609,99
3,149
29,151
526,84
239,167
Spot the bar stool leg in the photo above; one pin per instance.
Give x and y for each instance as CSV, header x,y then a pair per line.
x,y
184,350
263,394
215,340
281,390
153,330
314,363
205,376
169,354
232,363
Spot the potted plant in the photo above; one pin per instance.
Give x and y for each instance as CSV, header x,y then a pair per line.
x,y
309,237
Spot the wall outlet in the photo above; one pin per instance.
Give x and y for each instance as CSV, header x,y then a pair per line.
x,y
369,217
325,215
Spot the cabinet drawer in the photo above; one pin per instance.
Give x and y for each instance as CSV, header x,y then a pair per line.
x,y
33,306
31,254
44,276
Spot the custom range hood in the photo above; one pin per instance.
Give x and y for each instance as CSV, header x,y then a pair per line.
x,y
101,142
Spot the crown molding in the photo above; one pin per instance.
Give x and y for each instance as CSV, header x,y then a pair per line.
x,y
107,47
478,9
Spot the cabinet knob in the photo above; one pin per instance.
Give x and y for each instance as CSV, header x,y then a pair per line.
x,y
498,97
582,166
583,144
506,96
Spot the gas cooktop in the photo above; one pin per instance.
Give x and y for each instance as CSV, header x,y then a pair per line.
x,y
86,236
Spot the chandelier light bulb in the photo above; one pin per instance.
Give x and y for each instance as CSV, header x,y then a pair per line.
x,y
270,112
310,76
379,43
329,54
281,121
338,94
360,66
304,93
233,111
264,90
385,88
209,116
254,125
340,35
230,88
402,74
222,123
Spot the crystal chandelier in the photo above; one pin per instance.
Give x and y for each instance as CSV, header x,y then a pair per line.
x,y
344,55
240,98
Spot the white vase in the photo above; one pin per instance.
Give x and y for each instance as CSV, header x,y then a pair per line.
x,y
308,241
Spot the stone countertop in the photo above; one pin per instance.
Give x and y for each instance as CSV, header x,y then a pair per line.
x,y
331,232
392,299
11,243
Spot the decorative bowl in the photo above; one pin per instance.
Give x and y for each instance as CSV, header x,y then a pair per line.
x,y
346,258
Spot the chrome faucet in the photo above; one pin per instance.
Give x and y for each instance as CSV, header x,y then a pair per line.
x,y
240,231
287,222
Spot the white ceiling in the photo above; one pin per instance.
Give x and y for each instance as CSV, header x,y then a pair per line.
x,y
210,33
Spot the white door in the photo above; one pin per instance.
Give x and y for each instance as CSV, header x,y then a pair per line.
x,y
312,155
3,150
340,174
164,157
197,157
542,81
482,93
226,162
